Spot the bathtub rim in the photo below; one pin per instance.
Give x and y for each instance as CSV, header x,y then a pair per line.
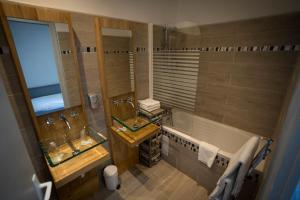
x,y
185,136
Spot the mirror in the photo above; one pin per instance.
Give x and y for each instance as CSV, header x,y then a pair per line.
x,y
45,55
118,61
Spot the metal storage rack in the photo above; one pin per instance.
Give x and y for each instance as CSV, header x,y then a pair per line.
x,y
150,149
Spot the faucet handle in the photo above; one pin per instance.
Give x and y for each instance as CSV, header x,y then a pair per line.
x,y
129,99
61,116
74,114
116,102
50,121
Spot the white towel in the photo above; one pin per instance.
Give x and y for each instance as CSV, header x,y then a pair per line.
x,y
149,102
207,153
150,108
165,145
245,160
224,193
236,171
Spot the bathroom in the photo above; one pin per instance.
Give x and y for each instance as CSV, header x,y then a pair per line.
x,y
128,99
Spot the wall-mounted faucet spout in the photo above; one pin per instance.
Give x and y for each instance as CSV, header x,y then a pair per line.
x,y
63,118
130,102
69,142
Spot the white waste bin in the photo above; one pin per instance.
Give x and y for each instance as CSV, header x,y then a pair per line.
x,y
111,177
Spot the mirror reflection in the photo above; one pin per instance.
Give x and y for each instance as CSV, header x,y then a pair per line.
x,y
118,61
45,55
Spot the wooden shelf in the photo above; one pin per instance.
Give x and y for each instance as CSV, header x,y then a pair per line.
x,y
78,165
134,138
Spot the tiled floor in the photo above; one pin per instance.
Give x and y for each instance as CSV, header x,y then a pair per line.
x,y
161,182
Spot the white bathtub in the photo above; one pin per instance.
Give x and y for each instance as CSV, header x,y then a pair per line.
x,y
184,136
194,129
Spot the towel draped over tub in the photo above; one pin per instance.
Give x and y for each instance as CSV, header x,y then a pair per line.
x,y
230,183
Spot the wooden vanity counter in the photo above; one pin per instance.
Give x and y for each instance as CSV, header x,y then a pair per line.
x,y
134,138
73,168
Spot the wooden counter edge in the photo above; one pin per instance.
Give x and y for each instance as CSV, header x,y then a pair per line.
x,y
83,167
130,141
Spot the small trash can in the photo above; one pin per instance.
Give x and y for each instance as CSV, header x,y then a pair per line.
x,y
111,177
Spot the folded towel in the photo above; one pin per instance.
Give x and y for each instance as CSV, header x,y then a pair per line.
x,y
148,102
236,171
207,153
150,108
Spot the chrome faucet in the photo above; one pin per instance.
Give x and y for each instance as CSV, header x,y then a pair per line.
x,y
63,118
130,102
136,111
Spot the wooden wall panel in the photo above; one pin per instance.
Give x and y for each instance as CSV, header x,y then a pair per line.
x,y
22,102
115,23
123,156
19,11
48,14
57,132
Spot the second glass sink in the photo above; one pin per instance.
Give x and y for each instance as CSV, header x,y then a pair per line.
x,y
133,124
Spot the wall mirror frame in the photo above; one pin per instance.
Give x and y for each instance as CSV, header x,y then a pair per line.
x,y
45,15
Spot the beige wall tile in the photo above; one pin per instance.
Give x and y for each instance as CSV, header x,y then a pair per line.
x,y
242,89
275,58
227,57
274,37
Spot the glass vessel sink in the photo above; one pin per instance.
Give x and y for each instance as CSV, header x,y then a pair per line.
x,y
57,154
133,124
127,116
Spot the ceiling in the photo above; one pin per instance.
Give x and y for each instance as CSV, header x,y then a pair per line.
x,y
175,11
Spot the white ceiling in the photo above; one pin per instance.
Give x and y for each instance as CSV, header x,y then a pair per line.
x,y
174,11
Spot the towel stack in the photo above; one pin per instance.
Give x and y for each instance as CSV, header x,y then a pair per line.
x,y
149,104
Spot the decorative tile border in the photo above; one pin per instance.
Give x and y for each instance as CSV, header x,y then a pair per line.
x,y
220,160
87,49
140,50
116,52
264,48
67,51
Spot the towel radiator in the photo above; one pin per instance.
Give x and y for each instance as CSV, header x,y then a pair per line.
x,y
261,155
